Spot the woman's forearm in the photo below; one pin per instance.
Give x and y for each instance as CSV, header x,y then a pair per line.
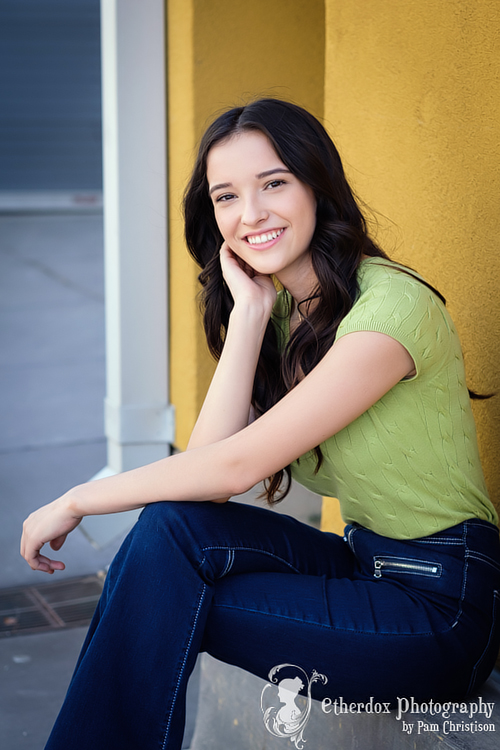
x,y
227,405
186,476
198,475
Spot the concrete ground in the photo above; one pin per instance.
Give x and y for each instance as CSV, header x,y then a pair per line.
x,y
52,385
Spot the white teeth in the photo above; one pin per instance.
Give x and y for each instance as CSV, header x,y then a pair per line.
x,y
259,239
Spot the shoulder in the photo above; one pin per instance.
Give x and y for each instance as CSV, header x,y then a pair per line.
x,y
390,291
396,301
385,278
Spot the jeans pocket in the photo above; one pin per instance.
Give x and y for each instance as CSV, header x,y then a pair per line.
x,y
383,564
484,665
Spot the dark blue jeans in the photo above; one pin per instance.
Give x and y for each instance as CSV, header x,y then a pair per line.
x,y
378,617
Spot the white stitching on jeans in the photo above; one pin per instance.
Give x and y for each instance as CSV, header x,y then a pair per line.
x,y
229,564
473,679
253,549
483,558
464,575
181,671
442,541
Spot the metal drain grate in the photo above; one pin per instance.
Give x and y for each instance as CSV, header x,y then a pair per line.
x,y
66,604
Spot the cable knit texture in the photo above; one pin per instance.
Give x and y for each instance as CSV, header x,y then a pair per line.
x,y
409,466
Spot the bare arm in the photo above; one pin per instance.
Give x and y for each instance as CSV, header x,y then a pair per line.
x,y
227,404
355,373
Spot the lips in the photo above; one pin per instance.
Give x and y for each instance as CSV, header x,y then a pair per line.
x,y
260,239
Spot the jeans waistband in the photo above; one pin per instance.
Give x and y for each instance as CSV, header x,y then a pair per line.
x,y
440,564
475,534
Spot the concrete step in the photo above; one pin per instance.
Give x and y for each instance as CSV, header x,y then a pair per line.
x,y
230,716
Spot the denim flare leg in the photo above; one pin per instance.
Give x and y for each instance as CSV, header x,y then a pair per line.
x,y
378,617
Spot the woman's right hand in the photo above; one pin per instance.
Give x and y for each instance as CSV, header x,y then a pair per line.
x,y
227,405
50,524
245,283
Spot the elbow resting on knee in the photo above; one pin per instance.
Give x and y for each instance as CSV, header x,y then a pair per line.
x,y
241,477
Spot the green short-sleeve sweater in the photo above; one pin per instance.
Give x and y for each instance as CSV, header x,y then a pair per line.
x,y
409,466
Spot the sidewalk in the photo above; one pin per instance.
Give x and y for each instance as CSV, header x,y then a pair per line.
x,y
51,375
52,383
51,392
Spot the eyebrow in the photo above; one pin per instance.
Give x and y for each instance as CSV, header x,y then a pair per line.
x,y
223,185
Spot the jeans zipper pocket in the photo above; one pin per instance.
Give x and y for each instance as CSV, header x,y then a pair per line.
x,y
385,564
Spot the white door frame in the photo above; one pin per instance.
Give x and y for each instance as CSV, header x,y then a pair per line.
x,y
139,421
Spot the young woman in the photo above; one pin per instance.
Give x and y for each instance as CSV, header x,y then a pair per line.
x,y
351,378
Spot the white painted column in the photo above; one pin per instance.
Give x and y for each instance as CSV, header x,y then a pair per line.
x,y
139,421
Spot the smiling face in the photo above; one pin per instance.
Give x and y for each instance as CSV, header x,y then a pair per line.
x,y
266,214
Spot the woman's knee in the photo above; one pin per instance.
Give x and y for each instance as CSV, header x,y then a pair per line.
x,y
157,514
177,519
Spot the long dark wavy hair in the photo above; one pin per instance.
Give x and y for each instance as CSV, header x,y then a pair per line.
x,y
339,241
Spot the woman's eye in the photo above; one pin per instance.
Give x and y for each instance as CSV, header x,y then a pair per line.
x,y
275,183
224,198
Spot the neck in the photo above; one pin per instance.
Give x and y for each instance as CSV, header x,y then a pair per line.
x,y
301,284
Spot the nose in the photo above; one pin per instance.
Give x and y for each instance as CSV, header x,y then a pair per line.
x,y
253,211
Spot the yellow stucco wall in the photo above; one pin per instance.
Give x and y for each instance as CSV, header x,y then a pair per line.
x,y
412,97
223,54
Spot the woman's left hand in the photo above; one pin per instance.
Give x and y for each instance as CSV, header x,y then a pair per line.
x,y
50,524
